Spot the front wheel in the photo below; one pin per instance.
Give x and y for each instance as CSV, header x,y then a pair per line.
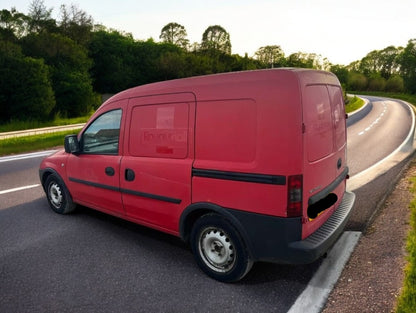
x,y
219,250
58,195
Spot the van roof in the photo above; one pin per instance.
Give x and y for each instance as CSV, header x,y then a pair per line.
x,y
225,81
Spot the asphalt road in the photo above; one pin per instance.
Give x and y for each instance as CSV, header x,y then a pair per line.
x,y
91,262
374,137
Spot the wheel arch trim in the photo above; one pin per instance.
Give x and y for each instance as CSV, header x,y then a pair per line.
x,y
196,210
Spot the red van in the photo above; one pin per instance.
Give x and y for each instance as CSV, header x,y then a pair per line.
x,y
247,166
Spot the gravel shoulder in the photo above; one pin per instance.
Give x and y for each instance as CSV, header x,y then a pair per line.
x,y
373,277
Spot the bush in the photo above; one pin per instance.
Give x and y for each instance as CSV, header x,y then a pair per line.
x,y
357,81
376,83
395,84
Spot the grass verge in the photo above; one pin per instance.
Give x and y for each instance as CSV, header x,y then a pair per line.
x,y
58,121
33,143
402,96
407,300
353,104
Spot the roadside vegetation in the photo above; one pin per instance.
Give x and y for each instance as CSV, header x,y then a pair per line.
x,y
57,121
353,103
411,98
33,143
58,63
407,300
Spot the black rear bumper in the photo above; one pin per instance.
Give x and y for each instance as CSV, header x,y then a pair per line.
x,y
278,240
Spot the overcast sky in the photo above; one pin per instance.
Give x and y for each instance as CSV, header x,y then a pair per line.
x,y
340,30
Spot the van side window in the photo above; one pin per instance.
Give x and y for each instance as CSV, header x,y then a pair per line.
x,y
102,136
160,131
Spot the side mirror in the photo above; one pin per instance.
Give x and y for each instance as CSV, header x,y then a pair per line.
x,y
71,144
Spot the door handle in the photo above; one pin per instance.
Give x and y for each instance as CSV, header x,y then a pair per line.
x,y
109,171
129,174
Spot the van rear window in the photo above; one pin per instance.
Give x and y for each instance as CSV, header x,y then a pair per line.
x,y
318,121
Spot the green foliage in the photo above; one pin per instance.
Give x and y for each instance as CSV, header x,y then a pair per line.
x,y
175,34
215,38
32,143
407,300
70,75
57,121
354,103
407,61
25,89
271,56
341,72
357,81
113,54
395,84
56,67
376,82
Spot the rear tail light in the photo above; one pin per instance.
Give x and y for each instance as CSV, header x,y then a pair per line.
x,y
294,196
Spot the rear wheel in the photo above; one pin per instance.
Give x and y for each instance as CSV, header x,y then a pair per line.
x,y
58,195
219,250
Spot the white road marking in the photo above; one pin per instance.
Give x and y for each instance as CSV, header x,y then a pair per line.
x,y
2,192
26,156
375,122
315,295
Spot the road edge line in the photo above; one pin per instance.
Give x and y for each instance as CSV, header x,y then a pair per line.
x,y
3,192
315,295
17,157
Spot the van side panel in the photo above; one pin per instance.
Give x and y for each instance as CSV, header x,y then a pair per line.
x,y
261,135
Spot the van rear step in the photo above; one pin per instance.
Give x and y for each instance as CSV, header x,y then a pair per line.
x,y
311,248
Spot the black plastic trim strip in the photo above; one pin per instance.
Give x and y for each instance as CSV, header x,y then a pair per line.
x,y
151,196
328,189
127,191
92,184
245,177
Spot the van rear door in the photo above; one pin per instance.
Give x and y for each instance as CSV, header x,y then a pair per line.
x,y
324,153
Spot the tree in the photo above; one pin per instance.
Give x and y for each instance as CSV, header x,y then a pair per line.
x,y
25,89
113,58
395,84
76,24
357,81
13,24
216,38
376,82
69,66
300,59
407,61
40,18
270,56
389,61
341,72
175,34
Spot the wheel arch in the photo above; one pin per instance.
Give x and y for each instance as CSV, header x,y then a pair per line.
x,y
45,173
196,210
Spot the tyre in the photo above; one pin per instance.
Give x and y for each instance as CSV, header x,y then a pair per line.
x,y
58,195
219,250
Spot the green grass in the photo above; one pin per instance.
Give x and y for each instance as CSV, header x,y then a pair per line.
x,y
58,121
33,143
402,96
407,300
353,104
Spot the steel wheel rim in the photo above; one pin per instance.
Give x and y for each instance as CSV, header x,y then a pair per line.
x,y
217,249
55,195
